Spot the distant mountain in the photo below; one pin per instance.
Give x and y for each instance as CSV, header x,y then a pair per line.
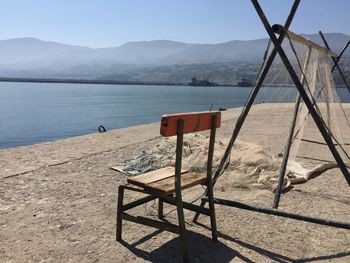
x,y
143,52
30,57
22,52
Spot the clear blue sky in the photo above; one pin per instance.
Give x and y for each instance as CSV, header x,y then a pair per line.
x,y
103,23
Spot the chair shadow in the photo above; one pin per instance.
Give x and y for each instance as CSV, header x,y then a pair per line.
x,y
203,249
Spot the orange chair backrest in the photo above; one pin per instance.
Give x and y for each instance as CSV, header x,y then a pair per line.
x,y
193,122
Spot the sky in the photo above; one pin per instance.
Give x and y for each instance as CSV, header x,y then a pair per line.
x,y
106,23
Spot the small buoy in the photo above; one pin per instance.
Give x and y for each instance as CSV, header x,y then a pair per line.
x,y
101,129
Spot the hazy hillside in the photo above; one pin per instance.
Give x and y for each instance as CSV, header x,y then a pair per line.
x,y
159,60
335,40
143,52
21,52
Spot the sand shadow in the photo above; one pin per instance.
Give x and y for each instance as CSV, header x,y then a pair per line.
x,y
276,257
201,249
324,258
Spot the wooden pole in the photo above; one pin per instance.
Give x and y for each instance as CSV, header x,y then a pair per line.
x,y
119,213
251,100
255,92
271,211
303,94
335,62
178,196
334,65
209,178
341,54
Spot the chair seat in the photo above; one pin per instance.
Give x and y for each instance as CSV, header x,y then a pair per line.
x,y
163,180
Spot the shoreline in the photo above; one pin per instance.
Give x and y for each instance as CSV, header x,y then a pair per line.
x,y
123,82
115,129
53,152
108,82
38,155
92,133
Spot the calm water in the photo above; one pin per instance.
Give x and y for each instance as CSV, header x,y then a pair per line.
x,y
32,113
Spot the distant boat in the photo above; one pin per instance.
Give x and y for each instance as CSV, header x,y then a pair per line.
x,y
243,82
201,82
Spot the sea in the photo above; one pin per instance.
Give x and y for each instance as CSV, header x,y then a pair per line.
x,y
39,112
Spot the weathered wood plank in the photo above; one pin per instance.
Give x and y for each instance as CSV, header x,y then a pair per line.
x,y
153,176
193,122
167,185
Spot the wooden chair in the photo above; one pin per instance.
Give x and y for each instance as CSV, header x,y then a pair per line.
x,y
162,184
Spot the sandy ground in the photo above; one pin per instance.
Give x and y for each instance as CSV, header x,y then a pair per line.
x,y
58,203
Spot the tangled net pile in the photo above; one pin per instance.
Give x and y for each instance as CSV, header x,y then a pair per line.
x,y
254,163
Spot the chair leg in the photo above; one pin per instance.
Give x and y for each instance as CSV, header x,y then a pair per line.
x,y
182,228
119,211
212,212
160,208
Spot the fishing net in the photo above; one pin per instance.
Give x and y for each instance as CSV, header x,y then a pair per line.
x,y
247,157
312,65
195,149
255,162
